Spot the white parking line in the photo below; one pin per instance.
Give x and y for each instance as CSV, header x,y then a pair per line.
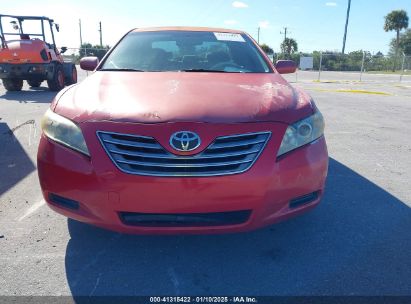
x,y
32,209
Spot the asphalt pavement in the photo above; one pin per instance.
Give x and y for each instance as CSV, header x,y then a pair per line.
x,y
357,242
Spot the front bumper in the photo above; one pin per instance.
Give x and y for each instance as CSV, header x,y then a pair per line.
x,y
104,193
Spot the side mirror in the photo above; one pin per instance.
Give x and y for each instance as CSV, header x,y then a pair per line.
x,y
285,66
89,63
63,49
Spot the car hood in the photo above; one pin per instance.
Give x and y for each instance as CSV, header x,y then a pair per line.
x,y
152,97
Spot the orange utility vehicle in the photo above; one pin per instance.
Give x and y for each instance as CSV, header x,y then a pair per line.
x,y
28,52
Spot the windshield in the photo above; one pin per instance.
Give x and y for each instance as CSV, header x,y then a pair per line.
x,y
188,51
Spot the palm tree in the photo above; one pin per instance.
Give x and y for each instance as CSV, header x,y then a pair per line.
x,y
267,49
396,21
289,46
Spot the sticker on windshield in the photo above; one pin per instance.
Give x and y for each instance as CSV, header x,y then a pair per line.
x,y
229,37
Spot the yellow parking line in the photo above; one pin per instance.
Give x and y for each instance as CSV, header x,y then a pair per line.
x,y
337,81
354,91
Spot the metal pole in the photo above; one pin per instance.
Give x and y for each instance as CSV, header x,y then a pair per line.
x,y
319,68
258,36
101,34
3,40
20,27
285,33
346,25
402,67
362,65
52,36
42,30
81,37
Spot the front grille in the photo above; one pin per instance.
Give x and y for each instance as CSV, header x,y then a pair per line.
x,y
185,219
143,155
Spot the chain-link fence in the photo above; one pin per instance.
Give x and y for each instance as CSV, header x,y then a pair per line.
x,y
355,66
75,54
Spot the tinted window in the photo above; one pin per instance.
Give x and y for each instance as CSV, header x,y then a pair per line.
x,y
186,50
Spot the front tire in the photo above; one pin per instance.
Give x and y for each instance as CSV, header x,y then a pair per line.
x,y
57,82
13,84
34,83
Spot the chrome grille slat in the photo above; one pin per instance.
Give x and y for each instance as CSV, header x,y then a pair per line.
x,y
142,155
172,156
185,159
191,172
131,144
150,164
236,144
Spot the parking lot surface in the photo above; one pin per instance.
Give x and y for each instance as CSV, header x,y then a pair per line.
x,y
357,242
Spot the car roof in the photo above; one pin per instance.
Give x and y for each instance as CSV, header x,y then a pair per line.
x,y
187,28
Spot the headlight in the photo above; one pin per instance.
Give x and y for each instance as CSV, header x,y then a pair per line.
x,y
302,132
63,131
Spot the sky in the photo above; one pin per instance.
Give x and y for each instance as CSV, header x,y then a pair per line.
x,y
314,24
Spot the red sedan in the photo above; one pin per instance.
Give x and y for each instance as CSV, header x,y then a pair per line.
x,y
183,130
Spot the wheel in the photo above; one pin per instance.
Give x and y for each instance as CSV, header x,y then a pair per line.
x,y
13,84
34,83
71,78
57,82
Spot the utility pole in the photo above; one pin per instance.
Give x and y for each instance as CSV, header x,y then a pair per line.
x,y
81,37
258,39
285,32
346,25
101,34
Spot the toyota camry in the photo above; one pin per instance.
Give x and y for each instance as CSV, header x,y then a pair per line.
x,y
183,130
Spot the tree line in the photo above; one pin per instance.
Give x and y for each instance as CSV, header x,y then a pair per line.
x,y
87,49
396,20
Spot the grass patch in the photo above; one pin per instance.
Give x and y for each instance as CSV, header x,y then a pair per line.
x,y
389,72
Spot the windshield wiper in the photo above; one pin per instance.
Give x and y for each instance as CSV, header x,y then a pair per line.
x,y
121,70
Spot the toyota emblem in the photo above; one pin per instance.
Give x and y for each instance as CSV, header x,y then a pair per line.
x,y
185,141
